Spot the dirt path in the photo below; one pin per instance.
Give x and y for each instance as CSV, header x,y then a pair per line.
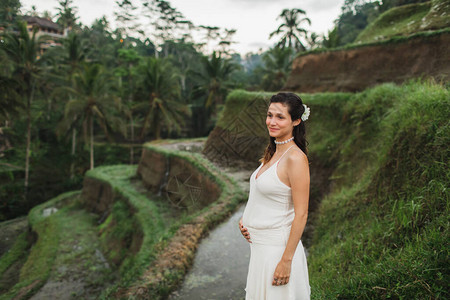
x,y
220,266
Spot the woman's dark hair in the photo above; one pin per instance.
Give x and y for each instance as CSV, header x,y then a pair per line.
x,y
296,110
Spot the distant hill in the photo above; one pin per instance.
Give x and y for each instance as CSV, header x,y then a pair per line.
x,y
407,19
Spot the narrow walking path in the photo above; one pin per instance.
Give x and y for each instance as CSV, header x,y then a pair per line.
x,y
220,266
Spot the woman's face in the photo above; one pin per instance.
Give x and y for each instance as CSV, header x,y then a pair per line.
x,y
279,122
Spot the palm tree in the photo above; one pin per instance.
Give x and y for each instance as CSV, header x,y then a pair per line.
x,y
277,65
92,101
290,29
22,50
73,52
160,89
128,58
213,85
214,78
9,9
66,14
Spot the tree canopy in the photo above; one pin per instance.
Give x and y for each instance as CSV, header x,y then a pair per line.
x,y
290,29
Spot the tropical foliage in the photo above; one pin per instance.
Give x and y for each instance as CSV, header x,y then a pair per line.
x,y
277,65
290,30
355,16
160,90
97,86
22,50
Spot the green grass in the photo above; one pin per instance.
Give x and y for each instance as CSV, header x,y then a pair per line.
x,y
382,231
399,25
15,253
145,220
134,213
38,265
407,19
134,234
401,20
393,40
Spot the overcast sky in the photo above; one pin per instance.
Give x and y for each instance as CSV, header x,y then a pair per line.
x,y
254,20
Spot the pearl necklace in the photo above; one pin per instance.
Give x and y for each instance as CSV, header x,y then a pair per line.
x,y
284,142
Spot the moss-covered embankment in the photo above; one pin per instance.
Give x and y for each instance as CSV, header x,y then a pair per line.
x,y
152,237
358,67
379,176
131,232
27,266
382,230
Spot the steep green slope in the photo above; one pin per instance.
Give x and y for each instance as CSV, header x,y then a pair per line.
x,y
406,20
383,230
379,156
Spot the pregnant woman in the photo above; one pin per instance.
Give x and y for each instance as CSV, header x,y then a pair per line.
x,y
277,208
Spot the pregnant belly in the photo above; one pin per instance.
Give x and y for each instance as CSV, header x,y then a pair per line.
x,y
269,236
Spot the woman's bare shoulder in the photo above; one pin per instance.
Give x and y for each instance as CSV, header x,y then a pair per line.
x,y
297,157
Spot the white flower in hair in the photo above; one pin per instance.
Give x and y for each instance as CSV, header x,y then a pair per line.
x,y
305,115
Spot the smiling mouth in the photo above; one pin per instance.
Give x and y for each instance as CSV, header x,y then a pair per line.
x,y
273,128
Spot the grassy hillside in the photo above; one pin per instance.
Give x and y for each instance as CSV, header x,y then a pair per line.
x,y
383,230
139,242
378,164
406,20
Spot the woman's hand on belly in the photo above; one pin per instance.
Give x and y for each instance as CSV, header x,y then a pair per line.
x,y
282,273
244,231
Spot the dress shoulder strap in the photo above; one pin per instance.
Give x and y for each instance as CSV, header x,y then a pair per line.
x,y
284,153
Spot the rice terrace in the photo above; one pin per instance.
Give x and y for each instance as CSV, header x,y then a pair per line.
x,y
127,143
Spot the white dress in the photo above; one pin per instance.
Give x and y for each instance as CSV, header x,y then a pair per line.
x,y
268,216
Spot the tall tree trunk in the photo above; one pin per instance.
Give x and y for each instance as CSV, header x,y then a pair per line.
x,y
157,125
183,82
72,153
130,100
144,125
132,140
91,125
27,155
49,108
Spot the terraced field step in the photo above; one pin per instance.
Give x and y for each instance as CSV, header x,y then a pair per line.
x,y
66,259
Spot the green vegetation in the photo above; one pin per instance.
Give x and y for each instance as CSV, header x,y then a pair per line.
x,y
396,39
96,85
39,262
138,230
381,232
276,69
238,100
132,215
407,19
134,236
14,254
355,17
290,29
159,285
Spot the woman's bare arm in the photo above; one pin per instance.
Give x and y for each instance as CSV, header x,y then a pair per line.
x,y
298,174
